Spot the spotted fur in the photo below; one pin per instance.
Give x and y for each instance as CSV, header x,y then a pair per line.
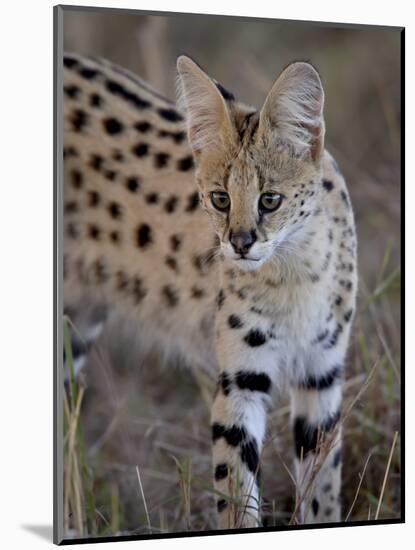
x,y
261,298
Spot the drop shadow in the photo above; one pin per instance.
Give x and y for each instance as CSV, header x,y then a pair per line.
x,y
43,531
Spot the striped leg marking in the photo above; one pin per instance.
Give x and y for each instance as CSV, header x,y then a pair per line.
x,y
238,428
317,438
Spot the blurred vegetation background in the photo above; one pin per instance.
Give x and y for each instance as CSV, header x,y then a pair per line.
x,y
141,441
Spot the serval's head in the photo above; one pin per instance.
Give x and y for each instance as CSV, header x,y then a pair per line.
x,y
257,172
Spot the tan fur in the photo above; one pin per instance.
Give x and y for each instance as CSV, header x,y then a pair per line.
x,y
181,324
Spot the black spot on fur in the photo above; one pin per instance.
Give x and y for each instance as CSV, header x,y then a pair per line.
x,y
71,207
185,164
110,175
170,114
334,337
115,210
220,299
197,292
328,185
225,383
192,202
172,263
118,90
241,293
101,275
338,300
221,505
177,137
348,315
249,455
144,235
112,126
140,149
139,291
79,120
255,338
171,204
94,232
89,74
115,237
315,506
234,321
253,381
321,336
70,152
95,100
322,382
161,160
122,280
96,162
233,435
72,91
171,296
175,243
152,198
117,155
143,126
221,471
69,62
132,184
347,285
76,179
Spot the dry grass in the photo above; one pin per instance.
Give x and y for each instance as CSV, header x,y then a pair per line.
x,y
137,438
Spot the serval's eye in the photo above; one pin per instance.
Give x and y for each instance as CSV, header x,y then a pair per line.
x,y
268,202
220,200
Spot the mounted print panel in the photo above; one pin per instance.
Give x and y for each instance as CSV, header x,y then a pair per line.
x,y
228,299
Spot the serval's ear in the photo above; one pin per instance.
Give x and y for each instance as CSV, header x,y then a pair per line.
x,y
293,110
209,122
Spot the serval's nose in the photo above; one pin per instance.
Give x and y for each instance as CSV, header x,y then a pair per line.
x,y
242,241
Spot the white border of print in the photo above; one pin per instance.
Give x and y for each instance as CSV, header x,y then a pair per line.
x,y
27,271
